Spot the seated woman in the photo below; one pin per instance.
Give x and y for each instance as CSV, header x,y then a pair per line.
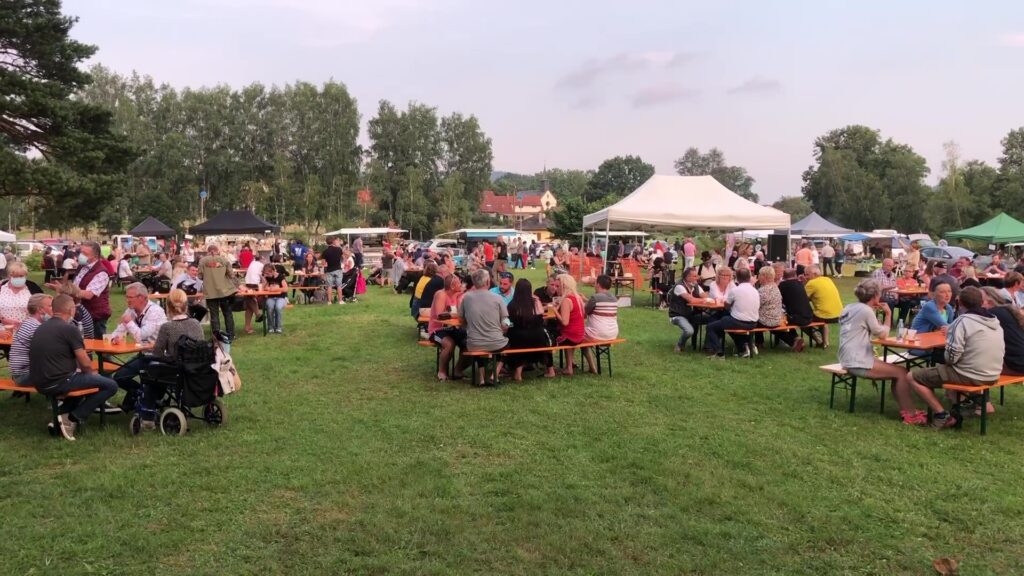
x,y
274,278
1011,319
970,277
858,324
720,290
935,314
771,314
14,295
526,314
906,303
165,349
444,304
570,317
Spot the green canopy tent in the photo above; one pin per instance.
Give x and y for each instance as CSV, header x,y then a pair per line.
x,y
999,230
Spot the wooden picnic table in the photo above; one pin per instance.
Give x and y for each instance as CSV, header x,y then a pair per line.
x,y
910,292
926,342
255,293
103,349
455,321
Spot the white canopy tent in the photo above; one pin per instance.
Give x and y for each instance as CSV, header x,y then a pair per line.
x,y
366,231
691,202
7,237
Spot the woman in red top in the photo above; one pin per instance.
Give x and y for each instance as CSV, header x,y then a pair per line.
x,y
570,316
245,256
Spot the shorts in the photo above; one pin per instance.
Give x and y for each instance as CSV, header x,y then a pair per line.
x,y
858,372
827,320
935,376
458,335
335,279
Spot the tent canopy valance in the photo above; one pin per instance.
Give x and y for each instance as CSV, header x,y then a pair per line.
x,y
152,227
1003,228
692,202
366,231
235,222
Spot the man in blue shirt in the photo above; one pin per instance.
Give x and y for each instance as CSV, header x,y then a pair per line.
x,y
299,251
504,288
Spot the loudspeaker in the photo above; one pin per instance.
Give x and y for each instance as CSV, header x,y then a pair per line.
x,y
776,248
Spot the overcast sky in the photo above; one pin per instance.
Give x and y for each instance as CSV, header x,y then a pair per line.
x,y
571,83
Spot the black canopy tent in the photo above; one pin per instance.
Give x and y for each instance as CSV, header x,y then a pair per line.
x,y
153,227
235,222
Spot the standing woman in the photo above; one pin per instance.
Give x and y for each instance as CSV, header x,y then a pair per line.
x,y
570,316
839,259
526,314
49,266
14,295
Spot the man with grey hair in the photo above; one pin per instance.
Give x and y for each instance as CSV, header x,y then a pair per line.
x,y
142,321
93,281
485,318
219,289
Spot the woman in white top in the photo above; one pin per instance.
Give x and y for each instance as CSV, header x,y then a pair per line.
x,y
722,286
14,296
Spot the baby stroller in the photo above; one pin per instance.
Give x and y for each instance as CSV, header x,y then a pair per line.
x,y
348,285
189,384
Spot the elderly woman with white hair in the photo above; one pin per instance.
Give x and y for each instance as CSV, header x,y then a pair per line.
x,y
14,295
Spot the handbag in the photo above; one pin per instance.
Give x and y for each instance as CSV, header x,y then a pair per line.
x,y
360,283
227,374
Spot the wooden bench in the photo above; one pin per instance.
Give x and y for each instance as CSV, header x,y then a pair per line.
x,y
602,348
980,395
804,329
843,379
6,384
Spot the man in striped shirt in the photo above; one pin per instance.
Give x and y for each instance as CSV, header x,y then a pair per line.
x,y
39,311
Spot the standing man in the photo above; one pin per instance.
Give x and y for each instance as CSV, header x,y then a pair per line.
x,y
58,364
828,254
94,282
298,254
334,277
219,289
357,252
689,253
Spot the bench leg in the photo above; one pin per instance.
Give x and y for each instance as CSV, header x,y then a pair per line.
x,y
832,392
1002,394
881,405
853,391
984,411
56,414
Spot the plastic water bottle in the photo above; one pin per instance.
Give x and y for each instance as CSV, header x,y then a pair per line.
x,y
900,331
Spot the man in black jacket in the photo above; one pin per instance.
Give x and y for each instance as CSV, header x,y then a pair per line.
x,y
797,305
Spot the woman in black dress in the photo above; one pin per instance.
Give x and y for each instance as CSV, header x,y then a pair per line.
x,y
527,331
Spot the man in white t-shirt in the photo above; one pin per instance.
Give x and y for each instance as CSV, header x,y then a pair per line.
x,y
744,305
253,279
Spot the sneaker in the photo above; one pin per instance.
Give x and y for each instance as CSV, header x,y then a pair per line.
x,y
67,427
259,318
149,424
424,335
753,348
917,418
677,348
798,346
108,408
941,423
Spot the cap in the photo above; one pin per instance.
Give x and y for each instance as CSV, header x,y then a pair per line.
x,y
939,264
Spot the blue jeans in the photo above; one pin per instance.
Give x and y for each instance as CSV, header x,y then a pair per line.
x,y
125,375
275,313
99,327
716,332
683,324
82,407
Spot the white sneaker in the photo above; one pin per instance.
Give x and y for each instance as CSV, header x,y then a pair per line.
x,y
67,427
424,335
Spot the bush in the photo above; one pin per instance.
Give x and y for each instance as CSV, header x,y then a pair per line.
x,y
33,261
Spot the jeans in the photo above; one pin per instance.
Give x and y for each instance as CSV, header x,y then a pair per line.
x,y
683,324
275,313
125,375
904,307
688,261
222,305
716,333
82,407
826,267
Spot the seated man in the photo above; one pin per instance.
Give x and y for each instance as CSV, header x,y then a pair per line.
x,y
189,281
142,321
974,355
547,293
680,314
485,318
162,267
124,271
504,289
825,301
941,277
744,305
795,302
58,364
39,310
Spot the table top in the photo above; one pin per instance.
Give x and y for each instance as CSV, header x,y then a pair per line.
x,y
158,296
912,292
715,305
926,341
261,292
104,347
549,314
301,273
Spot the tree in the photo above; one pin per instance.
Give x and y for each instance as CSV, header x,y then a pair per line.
x,y
735,178
54,145
451,204
567,220
865,182
467,150
1009,187
618,176
964,195
400,140
796,206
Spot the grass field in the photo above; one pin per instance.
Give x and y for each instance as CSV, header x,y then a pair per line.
x,y
343,455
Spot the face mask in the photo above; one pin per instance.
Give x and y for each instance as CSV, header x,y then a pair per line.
x,y
18,282
46,317
82,260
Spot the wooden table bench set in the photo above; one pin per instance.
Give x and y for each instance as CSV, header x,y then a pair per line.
x,y
900,351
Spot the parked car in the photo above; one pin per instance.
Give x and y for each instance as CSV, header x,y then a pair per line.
x,y
950,254
27,248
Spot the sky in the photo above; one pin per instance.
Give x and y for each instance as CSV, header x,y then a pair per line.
x,y
568,84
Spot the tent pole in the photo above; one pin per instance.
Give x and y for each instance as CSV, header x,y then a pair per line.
x,y
789,246
607,243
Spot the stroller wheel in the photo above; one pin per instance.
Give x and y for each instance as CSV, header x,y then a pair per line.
x,y
214,413
135,425
173,422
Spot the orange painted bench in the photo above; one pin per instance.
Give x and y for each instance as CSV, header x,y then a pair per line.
x,y
8,385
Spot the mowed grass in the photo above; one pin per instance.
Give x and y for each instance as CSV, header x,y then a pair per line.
x,y
344,455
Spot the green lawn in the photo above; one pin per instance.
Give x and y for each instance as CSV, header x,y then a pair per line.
x,y
344,455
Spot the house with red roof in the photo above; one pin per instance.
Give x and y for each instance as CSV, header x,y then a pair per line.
x,y
515,208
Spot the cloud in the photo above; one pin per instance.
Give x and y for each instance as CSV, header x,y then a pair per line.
x,y
757,85
1012,40
586,102
591,71
659,94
